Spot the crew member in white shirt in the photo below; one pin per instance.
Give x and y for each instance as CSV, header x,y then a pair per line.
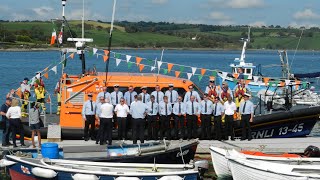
x,y
179,110
229,110
106,122
158,94
193,111
206,114
165,110
152,118
190,93
172,95
122,111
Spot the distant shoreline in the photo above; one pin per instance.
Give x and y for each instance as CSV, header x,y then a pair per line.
x,y
128,48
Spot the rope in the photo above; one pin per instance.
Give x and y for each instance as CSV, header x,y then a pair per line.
x,y
294,55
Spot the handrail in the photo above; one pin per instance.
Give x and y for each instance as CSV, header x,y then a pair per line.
x,y
93,81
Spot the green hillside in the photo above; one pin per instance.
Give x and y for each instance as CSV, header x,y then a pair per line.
x,y
37,34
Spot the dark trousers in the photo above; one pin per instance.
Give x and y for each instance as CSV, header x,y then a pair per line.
x,y
6,133
122,124
138,130
205,126
90,121
217,127
105,131
152,127
165,127
192,125
16,127
245,125
229,126
179,124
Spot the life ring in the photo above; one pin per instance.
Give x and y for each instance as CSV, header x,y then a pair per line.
x,y
85,177
127,178
44,173
5,163
171,178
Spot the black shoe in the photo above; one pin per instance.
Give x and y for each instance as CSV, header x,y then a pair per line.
x,y
102,144
86,139
232,140
97,142
249,139
15,146
242,139
23,145
9,143
5,145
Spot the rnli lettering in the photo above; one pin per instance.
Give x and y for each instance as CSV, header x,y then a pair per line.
x,y
267,133
185,152
284,130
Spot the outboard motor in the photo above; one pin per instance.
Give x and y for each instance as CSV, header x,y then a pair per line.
x,y
312,151
202,167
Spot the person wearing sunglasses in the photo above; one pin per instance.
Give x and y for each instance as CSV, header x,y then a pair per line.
x,y
212,90
122,111
190,93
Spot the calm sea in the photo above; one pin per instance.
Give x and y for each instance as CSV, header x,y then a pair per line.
x,y
17,65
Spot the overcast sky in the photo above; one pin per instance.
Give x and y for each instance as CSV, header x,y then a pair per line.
x,y
217,12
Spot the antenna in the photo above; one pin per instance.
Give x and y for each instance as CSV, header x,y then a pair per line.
x,y
82,18
63,6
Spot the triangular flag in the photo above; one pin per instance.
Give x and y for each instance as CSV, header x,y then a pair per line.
x,y
177,73
72,55
45,69
153,68
235,75
53,38
138,60
203,71
170,67
282,83
181,68
54,69
214,73
248,81
287,81
150,62
106,52
91,52
117,55
224,75
266,80
250,76
193,69
105,58
165,71
200,77
46,75
159,64
189,75
141,66
94,50
48,100
128,57
304,85
235,80
129,64
255,78
38,76
118,61
245,77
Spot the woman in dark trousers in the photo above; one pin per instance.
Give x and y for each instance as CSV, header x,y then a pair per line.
x,y
14,116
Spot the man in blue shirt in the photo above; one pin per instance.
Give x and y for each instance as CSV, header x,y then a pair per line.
x,y
88,115
144,95
153,118
138,112
5,123
179,110
246,111
165,110
105,94
193,111
190,93
206,114
218,111
129,98
158,94
172,94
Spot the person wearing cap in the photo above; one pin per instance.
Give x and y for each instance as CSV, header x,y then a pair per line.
x,y
144,94
172,95
225,91
229,111
25,94
99,102
179,111
158,94
165,111
5,125
106,114
105,94
206,114
212,90
246,111
138,112
88,115
122,111
239,91
190,93
218,111
152,118
129,96
193,111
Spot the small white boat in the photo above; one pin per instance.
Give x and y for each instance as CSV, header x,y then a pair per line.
x,y
220,162
244,169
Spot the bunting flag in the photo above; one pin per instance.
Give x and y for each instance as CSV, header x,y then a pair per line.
x,y
128,57
46,75
165,71
203,71
106,52
181,68
304,85
53,38
200,77
150,62
250,76
170,67
38,76
94,50
72,55
118,61
189,75
266,80
129,64
141,66
248,81
214,73
287,81
245,77
255,78
117,55
235,80
45,69
91,52
235,75
105,58
177,73
138,60
194,69
159,64
152,68
224,75
54,69
282,83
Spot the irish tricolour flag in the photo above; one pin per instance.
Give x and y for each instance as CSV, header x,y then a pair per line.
x,y
53,38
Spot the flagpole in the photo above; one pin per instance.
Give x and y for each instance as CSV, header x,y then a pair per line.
x,y
110,38
158,65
